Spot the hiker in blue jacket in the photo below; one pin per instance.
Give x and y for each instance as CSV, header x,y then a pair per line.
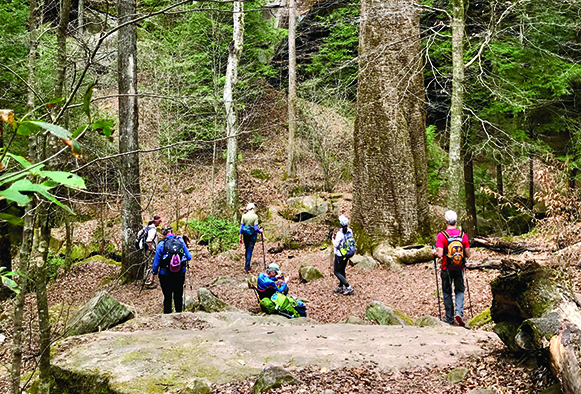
x,y
272,278
172,284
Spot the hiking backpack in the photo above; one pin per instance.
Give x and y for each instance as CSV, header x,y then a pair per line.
x,y
173,251
455,251
141,238
285,305
348,247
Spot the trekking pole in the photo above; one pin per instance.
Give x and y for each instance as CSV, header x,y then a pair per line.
x,y
263,255
437,286
468,291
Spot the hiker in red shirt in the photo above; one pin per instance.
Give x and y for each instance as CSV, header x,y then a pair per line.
x,y
452,246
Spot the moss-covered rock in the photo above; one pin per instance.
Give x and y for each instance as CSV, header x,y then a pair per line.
x,y
458,375
382,314
427,321
210,303
481,319
308,273
272,377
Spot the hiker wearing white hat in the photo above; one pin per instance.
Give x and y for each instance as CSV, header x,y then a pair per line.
x,y
344,249
248,233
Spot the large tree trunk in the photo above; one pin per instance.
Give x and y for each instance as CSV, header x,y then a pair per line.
x,y
292,90
390,160
235,51
534,312
456,166
129,139
44,376
28,230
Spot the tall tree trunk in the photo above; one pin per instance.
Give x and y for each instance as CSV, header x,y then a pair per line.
x,y
531,177
81,16
129,138
390,183
28,230
470,225
456,166
292,90
5,245
235,51
44,377
62,47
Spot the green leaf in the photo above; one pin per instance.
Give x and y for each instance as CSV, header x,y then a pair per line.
x,y
15,220
104,127
27,128
23,162
13,194
16,190
77,148
87,100
55,130
64,178
79,130
12,285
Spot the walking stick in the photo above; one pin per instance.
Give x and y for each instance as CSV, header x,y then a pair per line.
x,y
437,286
468,291
263,255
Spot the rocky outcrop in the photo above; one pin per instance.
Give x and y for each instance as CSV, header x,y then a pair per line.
x,y
272,377
100,313
210,303
392,258
382,314
304,208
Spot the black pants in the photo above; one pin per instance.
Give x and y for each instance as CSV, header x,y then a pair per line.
x,y
339,270
172,286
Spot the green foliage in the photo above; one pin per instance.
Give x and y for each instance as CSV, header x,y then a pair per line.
x,y
436,158
53,263
259,174
7,281
219,234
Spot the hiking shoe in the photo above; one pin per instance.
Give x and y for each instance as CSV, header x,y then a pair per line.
x,y
459,320
247,271
339,290
449,321
348,290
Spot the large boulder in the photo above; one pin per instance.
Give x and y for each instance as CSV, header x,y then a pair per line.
x,y
309,273
382,314
100,313
364,262
210,303
272,377
304,208
389,256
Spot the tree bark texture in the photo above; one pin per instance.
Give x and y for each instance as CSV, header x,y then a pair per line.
x,y
390,161
65,12
28,230
235,51
292,89
129,138
455,165
533,312
44,376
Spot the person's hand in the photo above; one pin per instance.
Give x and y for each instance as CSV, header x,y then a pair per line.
x,y
240,240
260,230
434,251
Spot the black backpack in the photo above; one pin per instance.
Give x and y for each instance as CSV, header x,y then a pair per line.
x,y
172,250
141,238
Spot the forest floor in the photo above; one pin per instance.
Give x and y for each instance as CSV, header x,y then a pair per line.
x,y
411,290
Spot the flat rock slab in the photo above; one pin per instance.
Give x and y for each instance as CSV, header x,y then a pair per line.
x,y
235,345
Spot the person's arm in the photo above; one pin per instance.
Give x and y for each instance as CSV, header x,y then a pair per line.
x,y
150,237
466,243
264,281
257,229
337,239
157,258
439,250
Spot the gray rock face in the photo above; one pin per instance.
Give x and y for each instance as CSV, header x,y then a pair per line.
x,y
100,313
384,315
232,346
309,273
210,303
272,377
427,321
365,262
307,207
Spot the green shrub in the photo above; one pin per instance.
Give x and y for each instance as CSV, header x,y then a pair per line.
x,y
52,266
219,234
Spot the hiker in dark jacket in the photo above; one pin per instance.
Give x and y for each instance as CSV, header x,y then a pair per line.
x,y
172,284
341,261
272,278
248,233
449,276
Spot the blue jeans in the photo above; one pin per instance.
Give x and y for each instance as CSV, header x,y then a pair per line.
x,y
249,241
456,278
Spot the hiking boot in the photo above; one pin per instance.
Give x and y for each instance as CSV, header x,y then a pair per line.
x,y
459,320
246,270
348,290
448,321
339,290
